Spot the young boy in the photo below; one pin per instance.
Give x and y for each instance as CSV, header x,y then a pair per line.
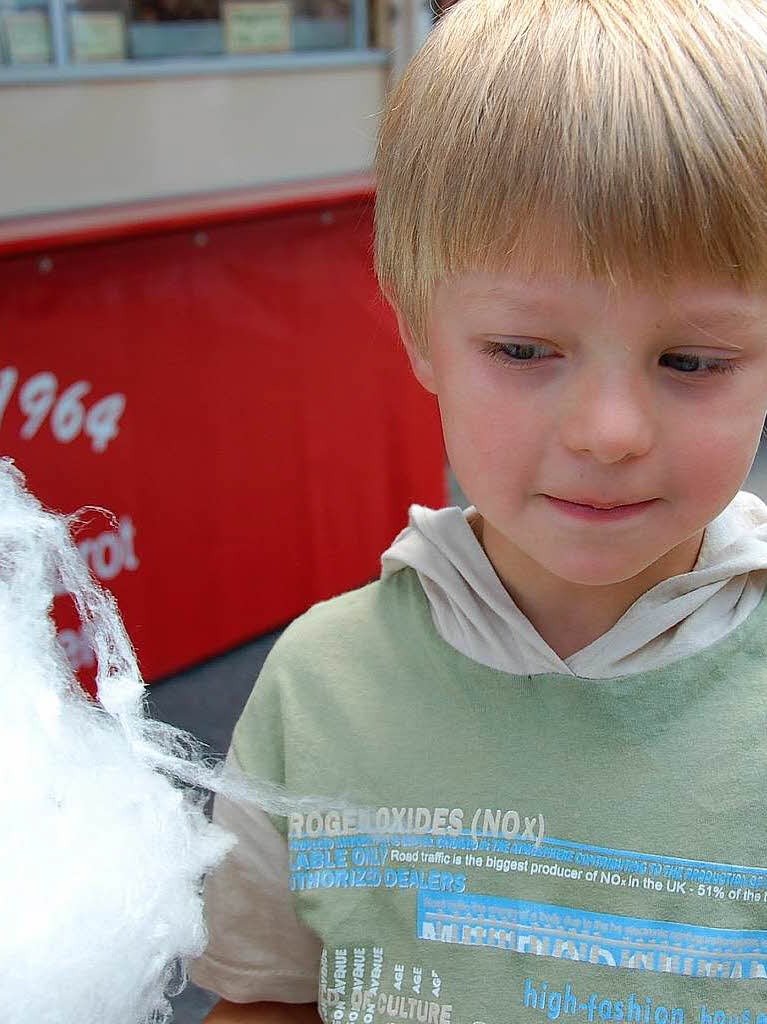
x,y
561,690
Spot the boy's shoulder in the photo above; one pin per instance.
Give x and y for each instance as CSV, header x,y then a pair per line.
x,y
358,620
344,659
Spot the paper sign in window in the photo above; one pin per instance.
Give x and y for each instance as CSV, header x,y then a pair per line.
x,y
97,35
260,27
27,37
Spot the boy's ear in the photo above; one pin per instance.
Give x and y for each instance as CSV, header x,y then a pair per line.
x,y
419,362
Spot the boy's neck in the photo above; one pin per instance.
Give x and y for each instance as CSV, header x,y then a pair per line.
x,y
570,616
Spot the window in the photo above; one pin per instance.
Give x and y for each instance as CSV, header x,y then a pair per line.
x,y
83,35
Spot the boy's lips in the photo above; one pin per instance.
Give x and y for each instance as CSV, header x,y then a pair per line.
x,y
596,503
600,512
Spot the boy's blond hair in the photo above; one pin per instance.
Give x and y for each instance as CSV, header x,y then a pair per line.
x,y
615,138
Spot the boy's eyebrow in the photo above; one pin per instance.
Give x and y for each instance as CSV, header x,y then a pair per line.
x,y
727,321
708,322
510,302
704,320
724,318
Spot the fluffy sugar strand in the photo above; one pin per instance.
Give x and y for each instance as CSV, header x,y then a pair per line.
x,y
102,855
105,841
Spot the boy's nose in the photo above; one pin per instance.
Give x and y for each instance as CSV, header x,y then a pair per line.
x,y
608,417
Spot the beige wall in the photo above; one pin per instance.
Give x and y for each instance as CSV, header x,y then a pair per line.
x,y
85,143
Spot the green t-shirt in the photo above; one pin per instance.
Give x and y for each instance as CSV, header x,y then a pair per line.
x,y
581,849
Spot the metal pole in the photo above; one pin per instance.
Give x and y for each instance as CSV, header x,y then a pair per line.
x,y
59,40
360,24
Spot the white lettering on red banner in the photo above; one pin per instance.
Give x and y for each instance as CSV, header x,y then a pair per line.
x,y
106,555
38,398
77,649
109,553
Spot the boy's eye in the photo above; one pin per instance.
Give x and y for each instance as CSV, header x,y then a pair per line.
x,y
517,352
689,364
685,363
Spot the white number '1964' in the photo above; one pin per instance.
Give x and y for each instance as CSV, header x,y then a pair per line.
x,y
37,397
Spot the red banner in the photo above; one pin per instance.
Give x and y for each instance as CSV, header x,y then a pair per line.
x,y
237,399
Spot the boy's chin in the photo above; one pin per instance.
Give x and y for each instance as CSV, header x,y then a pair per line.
x,y
599,571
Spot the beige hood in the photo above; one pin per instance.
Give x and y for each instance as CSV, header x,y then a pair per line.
x,y
679,616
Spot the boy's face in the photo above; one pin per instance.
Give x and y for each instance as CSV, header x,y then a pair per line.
x,y
556,388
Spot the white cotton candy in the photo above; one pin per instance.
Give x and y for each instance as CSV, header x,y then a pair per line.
x,y
104,841
102,856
